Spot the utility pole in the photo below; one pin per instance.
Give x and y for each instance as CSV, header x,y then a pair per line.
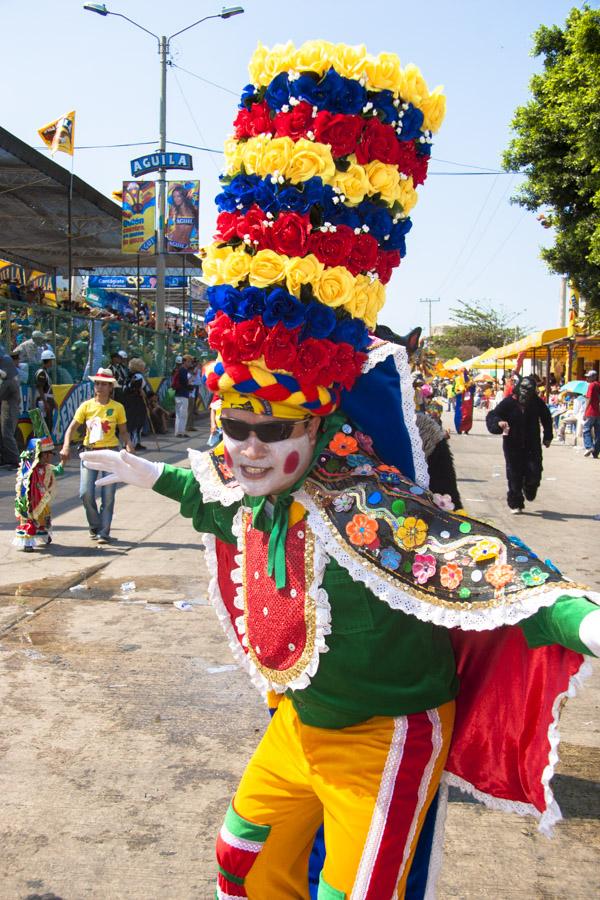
x,y
430,300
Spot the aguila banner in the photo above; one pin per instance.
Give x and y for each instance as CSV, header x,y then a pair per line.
x,y
137,224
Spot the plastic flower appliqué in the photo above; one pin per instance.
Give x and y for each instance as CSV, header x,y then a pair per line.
x,y
412,533
534,576
365,442
343,503
451,575
499,575
443,501
362,530
390,558
343,444
424,567
357,459
483,549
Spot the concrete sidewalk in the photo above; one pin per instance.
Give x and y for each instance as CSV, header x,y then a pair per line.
x,y
126,724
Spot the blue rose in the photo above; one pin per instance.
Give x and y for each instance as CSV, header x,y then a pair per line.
x,y
243,188
343,95
223,298
377,218
320,320
412,120
383,101
353,332
282,307
225,201
266,196
340,214
308,88
423,149
278,92
252,304
209,315
248,96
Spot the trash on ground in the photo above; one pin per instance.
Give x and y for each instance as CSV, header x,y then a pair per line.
x,y
79,587
183,605
154,607
128,586
216,670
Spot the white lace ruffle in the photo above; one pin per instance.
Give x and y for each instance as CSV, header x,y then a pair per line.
x,y
510,613
236,632
213,490
552,813
378,355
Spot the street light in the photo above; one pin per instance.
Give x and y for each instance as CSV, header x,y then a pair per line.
x,y
164,46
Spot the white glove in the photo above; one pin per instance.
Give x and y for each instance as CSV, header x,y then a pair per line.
x,y
124,467
589,632
2,374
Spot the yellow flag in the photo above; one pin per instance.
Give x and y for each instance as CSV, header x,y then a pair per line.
x,y
117,196
60,134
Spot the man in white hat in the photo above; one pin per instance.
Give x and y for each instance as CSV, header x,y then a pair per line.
x,y
105,424
30,350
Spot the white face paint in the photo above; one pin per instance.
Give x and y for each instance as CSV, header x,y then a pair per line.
x,y
267,469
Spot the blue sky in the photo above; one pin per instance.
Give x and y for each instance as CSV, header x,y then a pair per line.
x,y
467,242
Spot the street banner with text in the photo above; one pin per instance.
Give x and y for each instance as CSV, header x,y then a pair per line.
x,y
182,217
137,223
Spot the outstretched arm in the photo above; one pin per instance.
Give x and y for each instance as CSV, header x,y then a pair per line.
x,y
573,622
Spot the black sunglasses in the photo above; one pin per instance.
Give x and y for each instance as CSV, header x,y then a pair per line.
x,y
267,432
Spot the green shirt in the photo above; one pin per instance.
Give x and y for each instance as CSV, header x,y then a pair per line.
x,y
380,661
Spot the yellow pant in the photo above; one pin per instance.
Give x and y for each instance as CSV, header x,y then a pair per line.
x,y
371,784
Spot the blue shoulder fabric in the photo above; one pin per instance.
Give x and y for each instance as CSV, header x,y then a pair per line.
x,y
375,406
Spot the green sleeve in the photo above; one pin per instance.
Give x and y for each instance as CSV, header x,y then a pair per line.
x,y
559,624
180,484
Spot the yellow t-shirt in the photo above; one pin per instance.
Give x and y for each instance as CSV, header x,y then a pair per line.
x,y
100,420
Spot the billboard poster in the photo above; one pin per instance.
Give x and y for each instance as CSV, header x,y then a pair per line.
x,y
182,216
132,282
137,223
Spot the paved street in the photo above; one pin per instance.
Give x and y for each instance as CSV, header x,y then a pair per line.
x,y
125,724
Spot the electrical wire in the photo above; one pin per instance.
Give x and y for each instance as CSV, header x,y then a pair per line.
x,y
498,250
205,80
193,118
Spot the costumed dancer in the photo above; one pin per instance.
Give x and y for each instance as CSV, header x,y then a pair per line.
x,y
35,488
464,389
369,616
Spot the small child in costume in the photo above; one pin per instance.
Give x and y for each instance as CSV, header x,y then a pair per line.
x,y
35,489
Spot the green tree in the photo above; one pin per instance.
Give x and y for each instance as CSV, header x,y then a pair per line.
x,y
556,144
475,328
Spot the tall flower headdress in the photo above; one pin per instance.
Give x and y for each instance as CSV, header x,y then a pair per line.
x,y
330,145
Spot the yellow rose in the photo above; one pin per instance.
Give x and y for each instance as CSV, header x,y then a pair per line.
x,y
376,301
302,270
334,286
267,267
234,156
350,61
353,183
276,156
212,263
406,195
384,71
313,56
412,86
383,179
266,63
253,154
434,109
358,303
236,267
309,159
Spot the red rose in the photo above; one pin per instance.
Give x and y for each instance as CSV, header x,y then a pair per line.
x,y
378,141
332,248
212,381
342,366
387,260
253,225
419,169
311,361
289,234
220,327
295,123
407,156
339,131
363,257
253,121
227,226
250,337
280,347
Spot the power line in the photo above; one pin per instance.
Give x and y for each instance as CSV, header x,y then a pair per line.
x,y
193,118
205,80
497,251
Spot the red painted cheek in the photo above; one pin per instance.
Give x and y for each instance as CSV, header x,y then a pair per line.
x,y
291,463
228,458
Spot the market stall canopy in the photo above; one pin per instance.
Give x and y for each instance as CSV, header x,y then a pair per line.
x,y
34,193
453,364
528,344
